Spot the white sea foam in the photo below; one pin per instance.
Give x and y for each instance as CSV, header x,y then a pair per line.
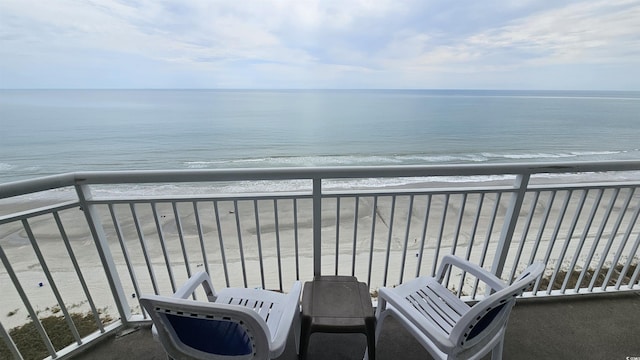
x,y
395,159
269,186
123,191
546,155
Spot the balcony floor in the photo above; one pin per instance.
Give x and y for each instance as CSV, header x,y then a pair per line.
x,y
604,326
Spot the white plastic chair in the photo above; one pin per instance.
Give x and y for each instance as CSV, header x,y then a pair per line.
x,y
236,323
445,325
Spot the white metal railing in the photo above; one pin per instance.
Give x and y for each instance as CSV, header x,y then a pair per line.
x,y
80,249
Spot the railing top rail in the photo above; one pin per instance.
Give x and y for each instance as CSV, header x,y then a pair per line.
x,y
295,173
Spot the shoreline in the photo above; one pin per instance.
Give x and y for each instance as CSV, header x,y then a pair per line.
x,y
367,185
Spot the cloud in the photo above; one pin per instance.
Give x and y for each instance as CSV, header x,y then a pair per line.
x,y
581,33
312,43
585,32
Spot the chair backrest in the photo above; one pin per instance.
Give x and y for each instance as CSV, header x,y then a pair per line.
x,y
191,329
489,316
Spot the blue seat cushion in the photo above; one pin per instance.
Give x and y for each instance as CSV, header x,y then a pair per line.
x,y
485,321
222,337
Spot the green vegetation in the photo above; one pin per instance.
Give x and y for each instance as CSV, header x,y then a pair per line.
x,y
600,277
27,338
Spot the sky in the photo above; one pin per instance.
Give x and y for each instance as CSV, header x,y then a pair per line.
x,y
320,44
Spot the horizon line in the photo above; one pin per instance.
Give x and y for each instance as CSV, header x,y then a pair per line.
x,y
310,89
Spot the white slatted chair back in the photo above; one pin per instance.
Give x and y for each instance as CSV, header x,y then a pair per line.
x,y
198,330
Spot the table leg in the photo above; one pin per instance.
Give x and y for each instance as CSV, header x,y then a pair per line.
x,y
305,333
370,325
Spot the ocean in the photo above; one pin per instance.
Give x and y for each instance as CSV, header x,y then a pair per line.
x,y
47,132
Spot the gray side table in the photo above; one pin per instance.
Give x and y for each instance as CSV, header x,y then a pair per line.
x,y
337,304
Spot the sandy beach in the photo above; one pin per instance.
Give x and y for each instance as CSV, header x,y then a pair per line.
x,y
399,225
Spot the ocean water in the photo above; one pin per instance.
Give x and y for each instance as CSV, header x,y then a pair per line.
x,y
46,132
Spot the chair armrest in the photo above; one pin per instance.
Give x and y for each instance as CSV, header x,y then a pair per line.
x,y
407,310
448,260
290,306
201,278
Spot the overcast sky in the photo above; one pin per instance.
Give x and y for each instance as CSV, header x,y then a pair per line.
x,y
444,44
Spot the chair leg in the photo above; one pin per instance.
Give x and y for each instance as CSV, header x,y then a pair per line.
x,y
371,346
296,330
380,320
380,317
496,352
305,333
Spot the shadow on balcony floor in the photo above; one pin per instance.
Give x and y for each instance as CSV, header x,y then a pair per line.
x,y
587,327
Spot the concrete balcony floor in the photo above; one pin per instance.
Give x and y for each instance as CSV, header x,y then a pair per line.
x,y
603,326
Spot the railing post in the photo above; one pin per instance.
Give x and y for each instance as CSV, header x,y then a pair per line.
x,y
10,344
317,226
100,239
510,221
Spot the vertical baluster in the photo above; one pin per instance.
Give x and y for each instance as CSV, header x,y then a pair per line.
x,y
163,246
145,251
554,237
406,239
636,274
76,267
203,250
614,232
259,240
279,257
487,240
440,233
127,258
472,236
386,262
623,242
525,232
221,242
424,235
10,344
337,233
355,235
295,237
596,238
183,247
317,226
240,246
456,236
374,212
543,226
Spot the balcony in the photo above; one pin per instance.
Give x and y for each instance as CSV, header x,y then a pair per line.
x,y
91,243
587,327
